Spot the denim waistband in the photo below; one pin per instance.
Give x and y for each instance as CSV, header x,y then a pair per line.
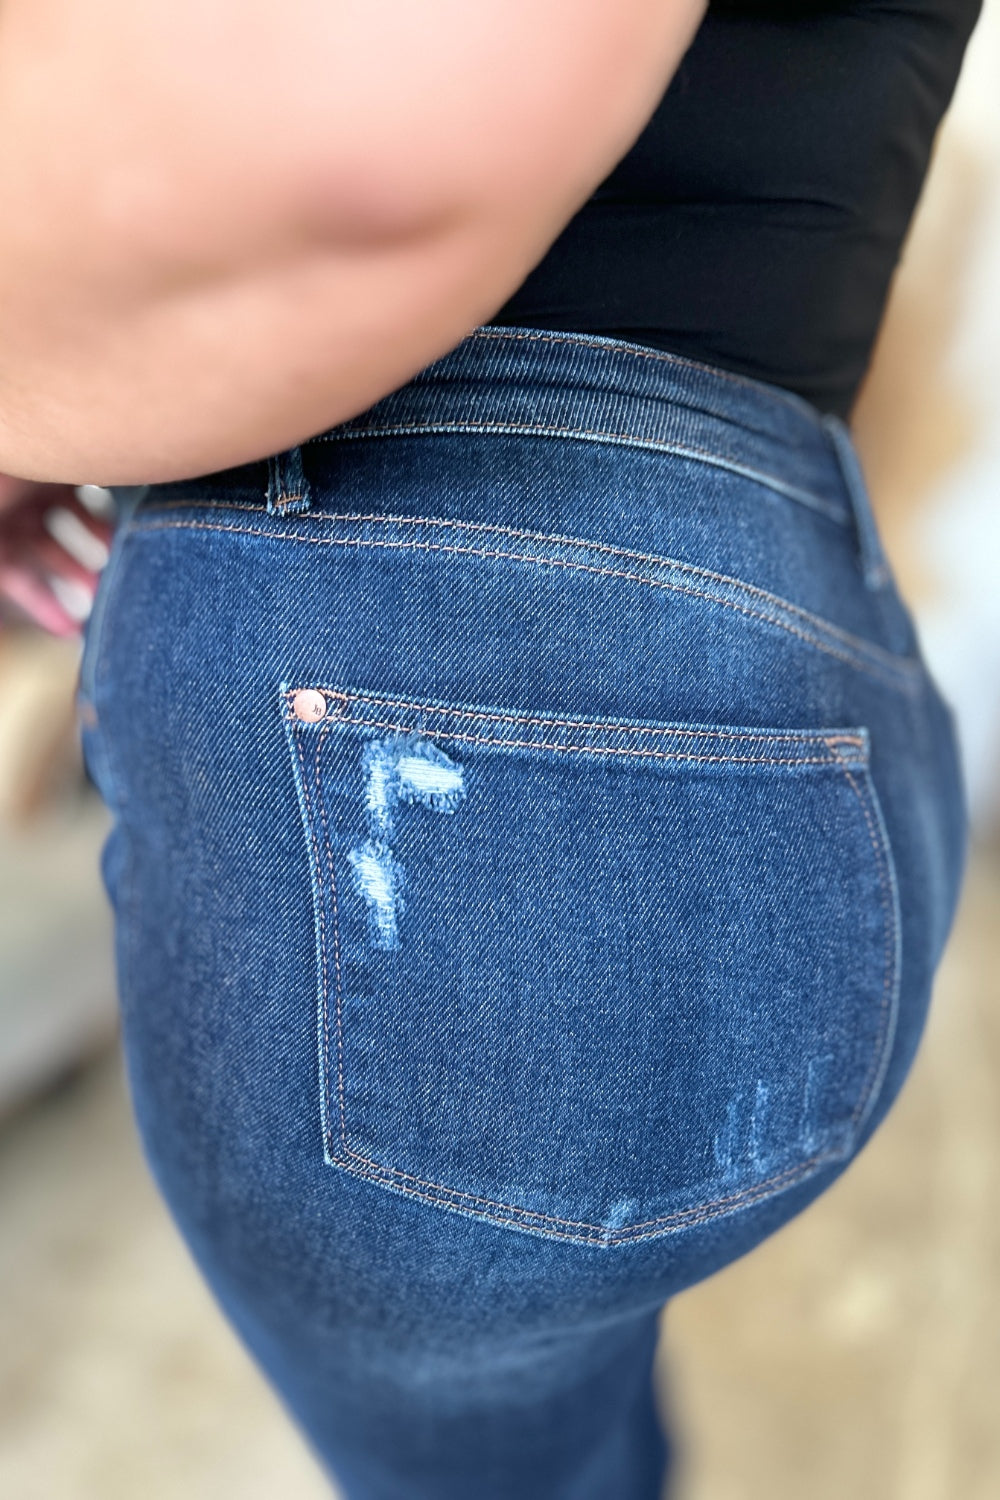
x,y
592,389
564,385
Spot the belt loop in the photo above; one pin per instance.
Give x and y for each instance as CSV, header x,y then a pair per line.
x,y
874,567
287,486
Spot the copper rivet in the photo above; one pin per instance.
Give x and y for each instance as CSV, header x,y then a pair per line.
x,y
309,705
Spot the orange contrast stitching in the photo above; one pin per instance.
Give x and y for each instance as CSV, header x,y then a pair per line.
x,y
890,950
479,739
656,559
338,986
439,1193
660,356
682,1218
677,449
857,662
324,978
894,663
709,732
520,1214
901,663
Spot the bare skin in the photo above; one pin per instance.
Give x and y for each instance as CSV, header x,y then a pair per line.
x,y
230,224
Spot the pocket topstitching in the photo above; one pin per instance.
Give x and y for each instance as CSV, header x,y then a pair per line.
x,y
599,980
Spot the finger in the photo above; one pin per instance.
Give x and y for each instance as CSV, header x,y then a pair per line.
x,y
34,598
45,554
100,526
80,531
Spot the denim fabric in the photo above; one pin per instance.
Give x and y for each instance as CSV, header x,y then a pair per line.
x,y
536,832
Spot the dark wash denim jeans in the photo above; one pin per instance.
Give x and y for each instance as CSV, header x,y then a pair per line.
x,y
536,832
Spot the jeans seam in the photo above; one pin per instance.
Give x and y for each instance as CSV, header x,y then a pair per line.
x,y
707,732
890,946
659,356
591,1234
899,674
682,755
515,1215
584,544
324,977
677,449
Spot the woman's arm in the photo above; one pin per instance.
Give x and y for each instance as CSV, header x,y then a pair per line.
x,y
229,224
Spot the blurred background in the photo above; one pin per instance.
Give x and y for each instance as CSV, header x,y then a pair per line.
x,y
856,1353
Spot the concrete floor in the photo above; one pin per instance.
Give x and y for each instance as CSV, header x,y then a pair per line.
x,y
857,1354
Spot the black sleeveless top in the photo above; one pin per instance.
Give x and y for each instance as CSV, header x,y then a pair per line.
x,y
756,222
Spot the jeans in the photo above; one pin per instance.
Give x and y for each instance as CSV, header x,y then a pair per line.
x,y
535,835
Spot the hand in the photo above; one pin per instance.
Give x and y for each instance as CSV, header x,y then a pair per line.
x,y
31,557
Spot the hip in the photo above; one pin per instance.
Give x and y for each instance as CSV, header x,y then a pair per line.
x,y
530,798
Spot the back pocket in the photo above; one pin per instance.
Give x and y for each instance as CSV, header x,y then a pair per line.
x,y
596,980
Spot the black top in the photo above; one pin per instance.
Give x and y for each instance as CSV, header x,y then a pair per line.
x,y
756,222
